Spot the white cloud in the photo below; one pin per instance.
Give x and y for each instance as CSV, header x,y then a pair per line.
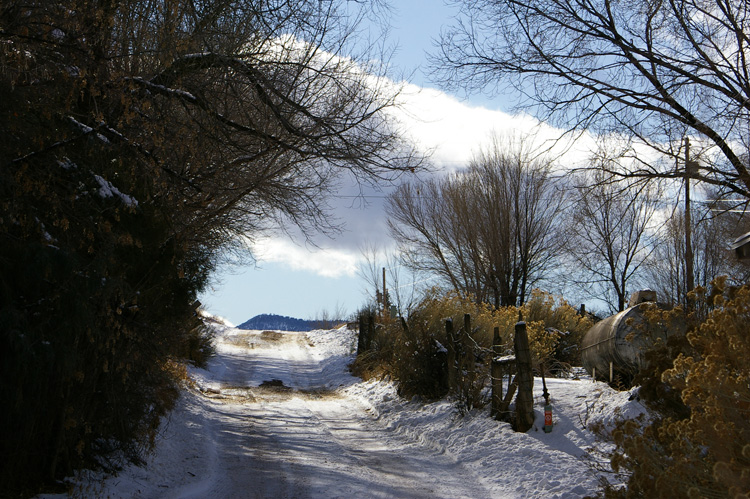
x,y
454,130
328,262
439,123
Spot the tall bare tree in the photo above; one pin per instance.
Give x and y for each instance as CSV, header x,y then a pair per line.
x,y
608,243
713,228
138,140
654,71
402,285
420,220
244,113
489,230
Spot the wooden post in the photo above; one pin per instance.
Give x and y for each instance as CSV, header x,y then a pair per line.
x,y
496,374
525,399
370,331
610,372
467,352
503,412
451,347
362,332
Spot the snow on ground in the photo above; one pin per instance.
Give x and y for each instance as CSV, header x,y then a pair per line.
x,y
277,414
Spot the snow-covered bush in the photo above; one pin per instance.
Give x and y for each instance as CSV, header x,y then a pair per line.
x,y
199,346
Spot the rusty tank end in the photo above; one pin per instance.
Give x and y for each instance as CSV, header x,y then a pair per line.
x,y
618,340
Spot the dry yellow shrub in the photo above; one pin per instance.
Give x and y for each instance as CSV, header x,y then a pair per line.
x,y
706,453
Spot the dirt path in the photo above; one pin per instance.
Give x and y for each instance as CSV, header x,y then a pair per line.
x,y
273,429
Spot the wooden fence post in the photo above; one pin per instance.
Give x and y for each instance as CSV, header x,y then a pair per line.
x,y
525,399
496,374
451,347
370,331
467,361
362,333
503,413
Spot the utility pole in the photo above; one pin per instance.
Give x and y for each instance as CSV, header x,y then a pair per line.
x,y
385,296
689,276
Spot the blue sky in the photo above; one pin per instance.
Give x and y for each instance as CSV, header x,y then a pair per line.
x,y
298,280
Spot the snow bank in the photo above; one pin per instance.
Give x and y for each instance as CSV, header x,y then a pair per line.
x,y
560,464
335,349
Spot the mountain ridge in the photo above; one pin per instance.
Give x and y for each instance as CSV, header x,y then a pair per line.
x,y
279,323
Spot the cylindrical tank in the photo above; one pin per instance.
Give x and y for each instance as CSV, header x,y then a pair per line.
x,y
618,340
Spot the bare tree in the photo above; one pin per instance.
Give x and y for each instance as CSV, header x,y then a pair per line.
x,y
519,196
326,318
242,113
655,71
402,286
490,230
138,140
419,221
712,230
608,243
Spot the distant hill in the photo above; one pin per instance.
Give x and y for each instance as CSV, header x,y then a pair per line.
x,y
278,323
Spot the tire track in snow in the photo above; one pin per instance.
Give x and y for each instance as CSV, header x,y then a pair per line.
x,y
300,444
374,459
235,438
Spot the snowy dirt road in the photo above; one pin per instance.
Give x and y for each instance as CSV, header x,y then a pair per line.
x,y
277,414
266,422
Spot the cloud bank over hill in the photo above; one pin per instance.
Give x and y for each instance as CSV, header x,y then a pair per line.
x,y
445,128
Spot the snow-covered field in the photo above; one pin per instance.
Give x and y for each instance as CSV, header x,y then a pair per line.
x,y
278,415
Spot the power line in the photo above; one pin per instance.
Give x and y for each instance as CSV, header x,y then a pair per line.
x,y
413,284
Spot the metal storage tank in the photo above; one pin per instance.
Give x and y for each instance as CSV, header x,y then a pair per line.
x,y
618,340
